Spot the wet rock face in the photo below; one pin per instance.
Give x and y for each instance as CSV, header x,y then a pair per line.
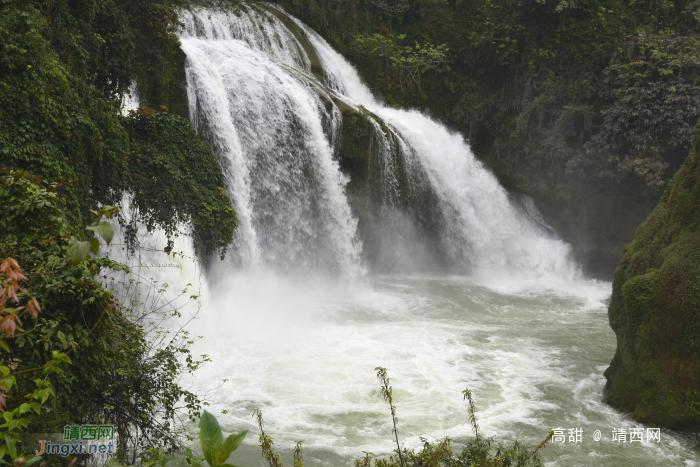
x,y
655,311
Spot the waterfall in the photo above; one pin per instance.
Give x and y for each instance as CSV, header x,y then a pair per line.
x,y
257,97
247,103
328,182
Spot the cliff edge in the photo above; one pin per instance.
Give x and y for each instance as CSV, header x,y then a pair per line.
x,y
655,310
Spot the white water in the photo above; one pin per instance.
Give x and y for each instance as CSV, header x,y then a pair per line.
x,y
297,328
286,186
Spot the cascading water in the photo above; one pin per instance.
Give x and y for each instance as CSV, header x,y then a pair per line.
x,y
482,227
266,126
295,325
254,98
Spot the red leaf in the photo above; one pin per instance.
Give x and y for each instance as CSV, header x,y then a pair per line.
x,y
33,308
8,325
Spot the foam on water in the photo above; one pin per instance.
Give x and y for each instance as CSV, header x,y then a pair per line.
x,y
305,353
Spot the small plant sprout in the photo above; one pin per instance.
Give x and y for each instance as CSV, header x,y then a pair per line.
x,y
298,455
216,450
472,416
266,443
387,393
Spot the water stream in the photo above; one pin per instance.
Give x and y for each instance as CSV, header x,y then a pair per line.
x,y
296,318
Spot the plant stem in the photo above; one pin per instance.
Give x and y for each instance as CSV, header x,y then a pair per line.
x,y
386,392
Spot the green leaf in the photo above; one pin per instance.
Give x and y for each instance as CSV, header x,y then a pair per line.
x,y
209,429
231,444
217,456
33,460
3,462
104,230
94,245
11,447
78,251
4,346
207,450
113,463
24,408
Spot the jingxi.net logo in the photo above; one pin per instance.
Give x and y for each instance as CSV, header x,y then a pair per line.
x,y
78,439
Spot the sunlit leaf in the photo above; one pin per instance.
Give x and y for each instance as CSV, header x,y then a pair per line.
x,y
104,230
231,444
210,429
78,251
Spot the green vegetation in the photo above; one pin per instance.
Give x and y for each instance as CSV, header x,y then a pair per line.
x,y
71,351
175,179
655,310
60,95
216,450
588,105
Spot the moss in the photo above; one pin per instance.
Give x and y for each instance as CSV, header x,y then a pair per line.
x,y
655,311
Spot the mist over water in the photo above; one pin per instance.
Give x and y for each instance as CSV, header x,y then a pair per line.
x,y
296,320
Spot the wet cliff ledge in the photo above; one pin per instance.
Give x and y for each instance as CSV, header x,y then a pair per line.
x,y
655,310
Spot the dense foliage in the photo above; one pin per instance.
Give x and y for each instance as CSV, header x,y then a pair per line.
x,y
111,355
587,104
175,179
655,310
64,68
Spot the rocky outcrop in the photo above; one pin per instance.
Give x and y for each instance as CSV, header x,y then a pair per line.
x,y
655,310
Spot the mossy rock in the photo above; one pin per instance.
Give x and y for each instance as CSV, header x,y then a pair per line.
x,y
300,36
655,311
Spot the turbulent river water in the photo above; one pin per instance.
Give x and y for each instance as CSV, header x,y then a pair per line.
x,y
297,317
